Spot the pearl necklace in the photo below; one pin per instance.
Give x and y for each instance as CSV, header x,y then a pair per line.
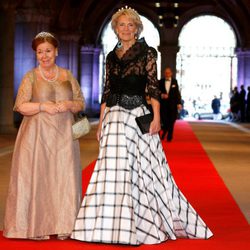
x,y
45,78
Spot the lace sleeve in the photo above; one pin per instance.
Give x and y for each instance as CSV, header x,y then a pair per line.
x,y
77,92
24,93
106,90
151,68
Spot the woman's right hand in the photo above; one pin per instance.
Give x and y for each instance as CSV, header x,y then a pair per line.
x,y
98,132
99,129
49,107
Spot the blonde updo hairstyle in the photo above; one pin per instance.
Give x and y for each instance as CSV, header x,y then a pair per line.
x,y
131,13
44,37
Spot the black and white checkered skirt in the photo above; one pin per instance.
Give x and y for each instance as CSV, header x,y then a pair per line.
x,y
132,197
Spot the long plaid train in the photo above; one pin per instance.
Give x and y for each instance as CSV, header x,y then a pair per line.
x,y
132,197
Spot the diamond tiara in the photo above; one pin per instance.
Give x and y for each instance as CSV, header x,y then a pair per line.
x,y
44,34
127,8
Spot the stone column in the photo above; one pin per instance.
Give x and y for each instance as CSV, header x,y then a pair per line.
x,y
90,77
243,77
7,31
68,53
98,78
168,57
29,22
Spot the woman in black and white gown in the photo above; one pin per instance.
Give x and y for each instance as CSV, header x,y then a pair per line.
x,y
132,197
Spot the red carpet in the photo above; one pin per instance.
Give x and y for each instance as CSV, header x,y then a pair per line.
x,y
199,181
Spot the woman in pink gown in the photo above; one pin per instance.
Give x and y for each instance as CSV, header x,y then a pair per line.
x,y
45,182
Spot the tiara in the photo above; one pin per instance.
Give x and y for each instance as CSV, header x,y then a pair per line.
x,y
126,8
44,34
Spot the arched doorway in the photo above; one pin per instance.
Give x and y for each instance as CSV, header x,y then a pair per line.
x,y
206,62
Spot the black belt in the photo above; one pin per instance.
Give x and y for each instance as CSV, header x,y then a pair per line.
x,y
125,101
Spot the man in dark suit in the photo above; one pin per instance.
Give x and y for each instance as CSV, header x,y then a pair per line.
x,y
170,103
216,108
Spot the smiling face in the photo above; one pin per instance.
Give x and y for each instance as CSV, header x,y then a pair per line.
x,y
46,54
126,28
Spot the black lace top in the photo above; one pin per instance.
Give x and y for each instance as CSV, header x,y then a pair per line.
x,y
132,75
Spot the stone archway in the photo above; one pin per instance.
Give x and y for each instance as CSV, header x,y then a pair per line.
x,y
206,62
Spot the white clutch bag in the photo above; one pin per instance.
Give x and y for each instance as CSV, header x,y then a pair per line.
x,y
80,127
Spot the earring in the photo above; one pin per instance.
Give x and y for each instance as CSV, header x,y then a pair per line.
x,y
136,36
119,44
56,53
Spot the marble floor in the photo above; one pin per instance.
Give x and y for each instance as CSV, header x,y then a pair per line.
x,y
227,145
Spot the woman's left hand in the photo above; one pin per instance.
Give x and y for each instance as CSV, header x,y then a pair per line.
x,y
155,127
63,106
